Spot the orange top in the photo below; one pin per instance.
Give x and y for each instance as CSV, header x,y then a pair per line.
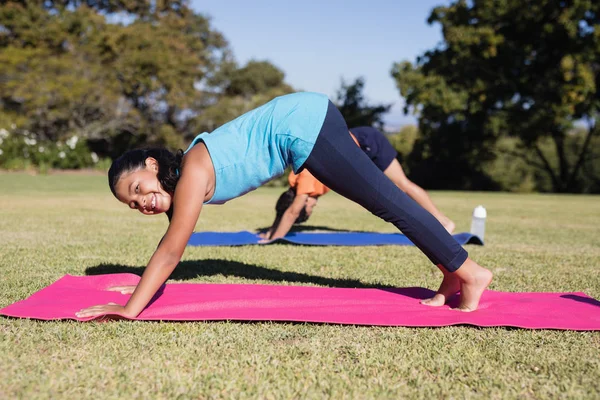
x,y
306,183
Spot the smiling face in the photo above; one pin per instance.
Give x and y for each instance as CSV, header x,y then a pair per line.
x,y
141,190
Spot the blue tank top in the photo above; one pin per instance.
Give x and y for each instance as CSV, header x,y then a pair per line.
x,y
258,146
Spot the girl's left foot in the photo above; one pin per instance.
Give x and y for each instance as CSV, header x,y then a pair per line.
x,y
449,287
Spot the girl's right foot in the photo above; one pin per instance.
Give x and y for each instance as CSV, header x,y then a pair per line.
x,y
473,287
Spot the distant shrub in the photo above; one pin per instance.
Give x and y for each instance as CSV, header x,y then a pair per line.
x,y
21,151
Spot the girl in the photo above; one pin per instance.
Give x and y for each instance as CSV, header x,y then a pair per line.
x,y
296,204
304,130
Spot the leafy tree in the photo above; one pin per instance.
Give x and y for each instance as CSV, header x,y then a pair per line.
x,y
254,78
404,141
508,68
241,90
353,105
118,73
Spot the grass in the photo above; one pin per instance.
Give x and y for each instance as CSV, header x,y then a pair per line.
x,y
56,225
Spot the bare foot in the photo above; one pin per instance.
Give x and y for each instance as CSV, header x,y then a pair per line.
x,y
472,287
450,285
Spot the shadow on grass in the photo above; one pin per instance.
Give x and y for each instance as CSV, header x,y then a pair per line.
x,y
582,299
187,270
311,228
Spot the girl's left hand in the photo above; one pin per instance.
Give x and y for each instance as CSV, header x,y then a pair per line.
x,y
94,311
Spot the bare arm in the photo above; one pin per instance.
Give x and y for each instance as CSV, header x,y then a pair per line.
x,y
267,235
128,289
187,204
289,217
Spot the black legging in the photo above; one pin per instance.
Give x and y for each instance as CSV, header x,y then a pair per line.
x,y
342,166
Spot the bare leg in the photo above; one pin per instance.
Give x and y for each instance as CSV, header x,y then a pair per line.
x,y
396,174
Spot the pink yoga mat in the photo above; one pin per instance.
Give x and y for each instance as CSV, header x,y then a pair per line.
x,y
384,307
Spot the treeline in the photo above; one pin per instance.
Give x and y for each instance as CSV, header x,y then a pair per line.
x,y
508,101
514,83
119,74
509,168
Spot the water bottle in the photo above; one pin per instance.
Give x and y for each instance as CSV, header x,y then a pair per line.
x,y
478,222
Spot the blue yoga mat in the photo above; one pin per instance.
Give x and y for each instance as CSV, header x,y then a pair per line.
x,y
245,238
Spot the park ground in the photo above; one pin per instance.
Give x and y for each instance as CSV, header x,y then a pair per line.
x,y
52,225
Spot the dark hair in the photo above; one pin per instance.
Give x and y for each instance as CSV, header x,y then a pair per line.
x,y
285,201
132,160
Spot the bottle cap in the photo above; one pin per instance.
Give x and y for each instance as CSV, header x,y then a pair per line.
x,y
479,212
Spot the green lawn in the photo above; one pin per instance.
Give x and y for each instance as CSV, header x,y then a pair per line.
x,y
56,225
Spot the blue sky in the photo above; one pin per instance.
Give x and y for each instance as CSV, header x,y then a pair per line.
x,y
317,42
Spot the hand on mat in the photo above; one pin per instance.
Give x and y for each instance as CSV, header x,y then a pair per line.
x,y
264,235
126,289
110,308
269,240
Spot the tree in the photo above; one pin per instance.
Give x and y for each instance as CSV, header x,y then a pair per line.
x,y
351,102
241,90
75,67
254,78
508,69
